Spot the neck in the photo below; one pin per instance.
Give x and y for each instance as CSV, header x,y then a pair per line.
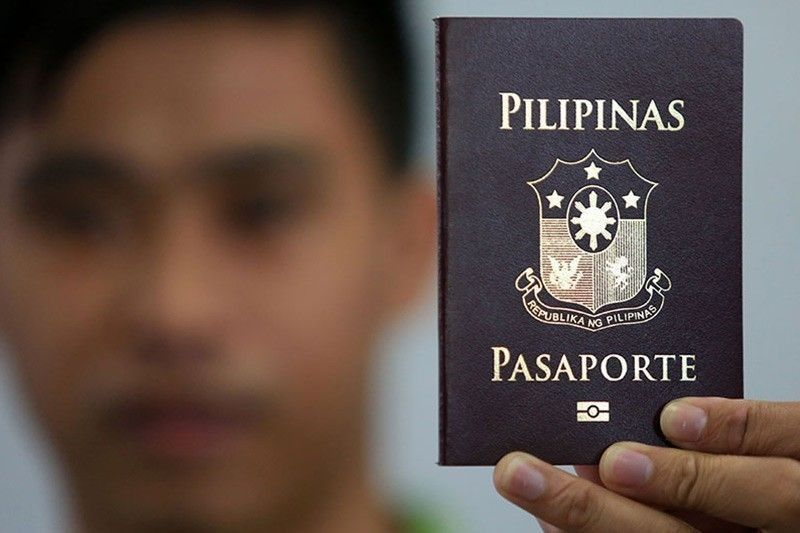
x,y
352,505
345,498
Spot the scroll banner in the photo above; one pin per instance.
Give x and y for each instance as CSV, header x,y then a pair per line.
x,y
530,285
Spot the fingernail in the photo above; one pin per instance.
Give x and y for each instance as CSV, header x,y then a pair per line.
x,y
627,467
683,421
523,480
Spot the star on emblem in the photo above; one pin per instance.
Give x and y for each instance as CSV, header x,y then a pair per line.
x,y
631,200
592,171
554,200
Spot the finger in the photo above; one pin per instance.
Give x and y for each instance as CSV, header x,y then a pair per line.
x,y
762,492
734,426
572,503
706,524
710,524
589,472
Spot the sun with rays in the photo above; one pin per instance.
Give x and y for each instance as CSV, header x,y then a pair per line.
x,y
593,221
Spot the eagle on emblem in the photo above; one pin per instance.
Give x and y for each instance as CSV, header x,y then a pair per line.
x,y
565,275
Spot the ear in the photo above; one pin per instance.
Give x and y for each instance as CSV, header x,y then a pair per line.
x,y
411,240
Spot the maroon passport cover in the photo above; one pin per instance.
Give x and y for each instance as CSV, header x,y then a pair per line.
x,y
589,175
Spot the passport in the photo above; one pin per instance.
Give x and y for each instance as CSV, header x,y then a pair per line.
x,y
590,203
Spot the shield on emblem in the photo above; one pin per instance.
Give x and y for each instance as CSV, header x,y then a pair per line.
x,y
593,231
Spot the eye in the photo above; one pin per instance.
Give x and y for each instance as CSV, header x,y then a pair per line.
x,y
73,216
80,219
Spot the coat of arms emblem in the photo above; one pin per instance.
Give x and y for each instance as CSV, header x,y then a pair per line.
x,y
593,247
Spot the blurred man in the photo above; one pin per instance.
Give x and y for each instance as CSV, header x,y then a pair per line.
x,y
206,215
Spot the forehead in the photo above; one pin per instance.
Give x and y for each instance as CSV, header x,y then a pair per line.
x,y
160,89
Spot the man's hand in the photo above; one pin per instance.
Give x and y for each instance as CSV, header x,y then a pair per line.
x,y
739,466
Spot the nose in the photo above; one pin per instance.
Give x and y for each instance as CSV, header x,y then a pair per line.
x,y
176,310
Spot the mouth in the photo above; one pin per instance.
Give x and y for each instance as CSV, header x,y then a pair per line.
x,y
183,430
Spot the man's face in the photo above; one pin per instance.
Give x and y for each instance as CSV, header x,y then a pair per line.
x,y
197,242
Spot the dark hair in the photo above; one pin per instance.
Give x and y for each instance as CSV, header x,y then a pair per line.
x,y
39,39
